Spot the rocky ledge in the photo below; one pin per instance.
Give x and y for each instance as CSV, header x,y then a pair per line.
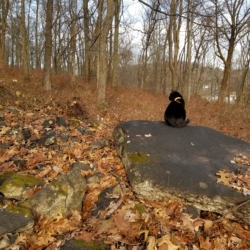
x,y
169,163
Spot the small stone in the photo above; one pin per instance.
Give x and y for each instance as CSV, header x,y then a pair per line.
x,y
75,139
19,135
2,115
26,133
3,124
95,178
40,166
62,138
49,139
22,134
61,121
192,210
48,123
4,242
99,144
81,165
6,145
20,163
74,123
11,109
7,240
81,130
33,143
89,132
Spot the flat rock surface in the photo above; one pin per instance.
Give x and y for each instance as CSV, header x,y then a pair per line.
x,y
165,162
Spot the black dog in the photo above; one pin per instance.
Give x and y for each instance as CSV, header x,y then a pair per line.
x,y
175,114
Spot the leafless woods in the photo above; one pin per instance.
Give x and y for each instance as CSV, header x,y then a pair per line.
x,y
198,47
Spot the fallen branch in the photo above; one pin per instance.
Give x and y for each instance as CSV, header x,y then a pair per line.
x,y
114,206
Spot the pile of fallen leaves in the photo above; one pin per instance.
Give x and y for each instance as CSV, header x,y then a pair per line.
x,y
239,181
134,224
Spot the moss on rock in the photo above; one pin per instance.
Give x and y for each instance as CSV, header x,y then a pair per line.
x,y
142,158
20,210
16,186
27,180
83,245
139,208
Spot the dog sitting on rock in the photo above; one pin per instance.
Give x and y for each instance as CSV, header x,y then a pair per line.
x,y
175,114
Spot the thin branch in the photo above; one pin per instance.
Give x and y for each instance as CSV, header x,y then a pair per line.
x,y
168,14
113,207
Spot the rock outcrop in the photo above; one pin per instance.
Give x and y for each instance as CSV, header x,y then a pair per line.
x,y
170,163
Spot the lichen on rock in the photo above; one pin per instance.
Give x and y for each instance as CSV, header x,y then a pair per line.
x,y
16,186
143,158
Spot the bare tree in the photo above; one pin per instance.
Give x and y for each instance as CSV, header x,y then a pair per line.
x,y
244,89
4,9
61,35
24,43
149,26
115,75
174,38
37,57
231,18
189,55
86,39
15,34
102,63
73,33
48,45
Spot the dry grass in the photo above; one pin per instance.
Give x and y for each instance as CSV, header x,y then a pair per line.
x,y
122,103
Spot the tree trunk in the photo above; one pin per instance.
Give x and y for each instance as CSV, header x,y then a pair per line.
x,y
87,40
4,7
110,55
24,43
57,31
189,31
48,45
149,24
243,91
37,60
73,52
115,75
173,41
73,34
226,73
102,62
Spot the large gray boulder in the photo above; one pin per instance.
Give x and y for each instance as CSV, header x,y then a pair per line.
x,y
180,163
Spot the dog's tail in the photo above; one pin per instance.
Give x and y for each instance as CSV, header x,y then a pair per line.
x,y
183,124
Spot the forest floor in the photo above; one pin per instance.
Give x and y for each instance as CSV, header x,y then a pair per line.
x,y
179,231
122,103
